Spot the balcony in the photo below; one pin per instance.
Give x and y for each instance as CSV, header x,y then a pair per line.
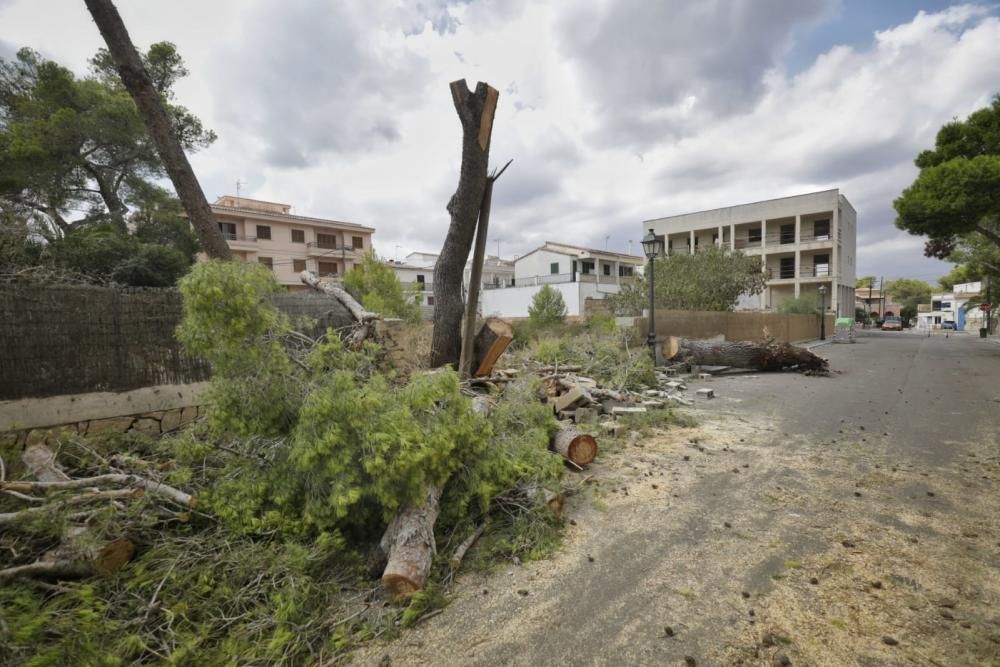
x,y
556,278
816,271
324,249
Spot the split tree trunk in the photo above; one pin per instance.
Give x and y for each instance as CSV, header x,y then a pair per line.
x,y
767,355
475,111
491,341
576,447
160,128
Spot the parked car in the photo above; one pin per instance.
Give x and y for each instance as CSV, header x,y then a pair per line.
x,y
892,323
949,324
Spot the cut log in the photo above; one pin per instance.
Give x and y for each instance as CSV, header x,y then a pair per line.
x,y
765,355
409,541
491,341
542,497
456,558
576,447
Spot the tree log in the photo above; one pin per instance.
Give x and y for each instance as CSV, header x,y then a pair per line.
x,y
331,288
542,497
115,479
766,355
409,541
576,447
491,341
476,112
160,127
112,557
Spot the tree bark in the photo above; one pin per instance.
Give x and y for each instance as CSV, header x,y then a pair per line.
x,y
475,111
491,341
160,127
475,282
576,447
767,355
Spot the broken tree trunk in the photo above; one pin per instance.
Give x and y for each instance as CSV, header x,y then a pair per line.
x,y
408,541
491,341
475,111
160,127
578,448
766,355
365,319
110,558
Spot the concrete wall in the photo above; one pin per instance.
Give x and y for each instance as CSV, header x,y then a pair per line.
x,y
150,410
538,264
514,301
735,325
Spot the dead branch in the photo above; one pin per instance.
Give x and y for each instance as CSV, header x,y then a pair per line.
x,y
156,488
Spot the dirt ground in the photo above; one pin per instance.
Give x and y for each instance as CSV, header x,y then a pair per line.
x,y
749,540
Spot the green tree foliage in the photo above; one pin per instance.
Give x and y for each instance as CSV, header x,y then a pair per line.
x,y
957,193
865,282
547,307
376,286
712,279
908,293
963,273
807,303
72,144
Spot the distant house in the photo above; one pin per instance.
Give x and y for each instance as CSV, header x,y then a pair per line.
x,y
952,307
416,272
267,232
578,273
870,301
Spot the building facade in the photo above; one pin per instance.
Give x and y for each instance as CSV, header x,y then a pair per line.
x,y
577,273
953,307
804,241
267,232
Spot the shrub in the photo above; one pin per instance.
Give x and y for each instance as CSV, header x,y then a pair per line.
x,y
806,303
547,307
377,287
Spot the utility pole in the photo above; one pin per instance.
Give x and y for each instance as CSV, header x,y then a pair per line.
x,y
881,297
239,187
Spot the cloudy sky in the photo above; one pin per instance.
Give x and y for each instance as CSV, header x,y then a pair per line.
x,y
613,111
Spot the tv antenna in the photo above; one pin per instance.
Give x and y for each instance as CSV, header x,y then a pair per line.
x,y
239,187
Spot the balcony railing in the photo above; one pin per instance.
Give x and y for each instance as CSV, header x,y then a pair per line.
x,y
818,271
556,278
323,245
230,236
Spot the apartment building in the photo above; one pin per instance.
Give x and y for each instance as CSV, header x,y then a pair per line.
x,y
269,233
578,273
804,241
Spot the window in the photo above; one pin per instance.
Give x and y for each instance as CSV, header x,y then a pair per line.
x,y
625,271
753,235
298,265
326,241
228,230
327,268
430,301
586,268
357,243
607,269
935,305
787,234
821,265
420,281
946,305
821,230
554,268
670,244
266,261
787,267
264,232
298,236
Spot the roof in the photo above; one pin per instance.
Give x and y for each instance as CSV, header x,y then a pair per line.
x,y
259,201
288,216
750,203
573,250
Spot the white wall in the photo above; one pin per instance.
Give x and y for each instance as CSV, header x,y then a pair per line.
x,y
538,264
514,301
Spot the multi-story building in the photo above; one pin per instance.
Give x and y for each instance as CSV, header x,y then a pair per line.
x,y
416,272
578,273
267,232
804,241
952,307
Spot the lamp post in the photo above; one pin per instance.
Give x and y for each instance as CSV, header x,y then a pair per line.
x,y
822,312
652,246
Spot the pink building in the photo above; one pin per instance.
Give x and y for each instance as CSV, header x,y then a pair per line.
x,y
266,232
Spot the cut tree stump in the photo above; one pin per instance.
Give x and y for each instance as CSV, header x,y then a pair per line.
x,y
765,355
491,341
576,447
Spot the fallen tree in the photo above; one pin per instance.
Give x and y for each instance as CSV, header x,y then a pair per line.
x,y
574,446
765,355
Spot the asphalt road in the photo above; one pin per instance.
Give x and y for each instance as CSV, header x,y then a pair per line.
x,y
848,520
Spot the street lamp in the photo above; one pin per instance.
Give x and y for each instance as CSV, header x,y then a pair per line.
x,y
652,246
822,312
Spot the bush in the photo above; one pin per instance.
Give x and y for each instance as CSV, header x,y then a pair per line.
x,y
806,303
547,307
376,286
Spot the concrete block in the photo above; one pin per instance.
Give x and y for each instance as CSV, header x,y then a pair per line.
x,y
655,405
627,411
676,386
704,376
189,414
171,419
705,392
115,424
672,372
585,416
145,425
613,429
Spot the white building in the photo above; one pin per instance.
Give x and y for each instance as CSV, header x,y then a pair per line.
x,y
578,273
952,307
804,241
416,271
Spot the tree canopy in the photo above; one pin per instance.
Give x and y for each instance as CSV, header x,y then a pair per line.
x,y
547,307
957,193
71,146
865,282
908,292
711,279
